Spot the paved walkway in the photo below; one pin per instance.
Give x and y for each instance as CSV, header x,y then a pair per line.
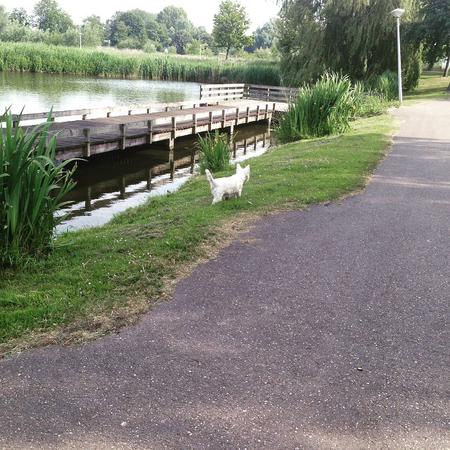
x,y
327,329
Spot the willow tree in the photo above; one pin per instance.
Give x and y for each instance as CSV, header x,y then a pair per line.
x,y
356,37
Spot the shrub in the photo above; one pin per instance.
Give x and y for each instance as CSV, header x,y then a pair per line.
x,y
385,85
214,152
32,186
324,108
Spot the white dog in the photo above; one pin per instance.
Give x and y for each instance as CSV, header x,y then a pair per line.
x,y
228,187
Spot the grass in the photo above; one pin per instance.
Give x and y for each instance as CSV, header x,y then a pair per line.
x,y
214,151
29,57
432,85
98,279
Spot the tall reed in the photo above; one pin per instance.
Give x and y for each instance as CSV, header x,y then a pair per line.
x,y
29,57
32,186
324,108
214,152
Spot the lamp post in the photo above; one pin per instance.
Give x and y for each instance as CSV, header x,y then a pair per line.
x,y
397,13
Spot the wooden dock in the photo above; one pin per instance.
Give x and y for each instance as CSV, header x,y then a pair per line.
x,y
221,107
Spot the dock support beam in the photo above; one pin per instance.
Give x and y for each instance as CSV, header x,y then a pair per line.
x,y
87,142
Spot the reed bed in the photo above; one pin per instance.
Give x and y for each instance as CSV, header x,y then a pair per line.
x,y
321,109
214,150
32,186
29,57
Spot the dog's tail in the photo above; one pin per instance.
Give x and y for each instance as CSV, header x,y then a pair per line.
x,y
209,177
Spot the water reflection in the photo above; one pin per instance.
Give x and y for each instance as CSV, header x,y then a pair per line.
x,y
40,92
113,182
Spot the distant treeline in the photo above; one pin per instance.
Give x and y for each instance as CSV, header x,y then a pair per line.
x,y
168,31
28,57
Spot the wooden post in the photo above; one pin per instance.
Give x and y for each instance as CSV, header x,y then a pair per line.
x,y
231,134
149,179
223,118
87,142
245,146
172,158
192,160
174,128
264,140
266,112
123,136
123,185
83,117
274,108
234,149
210,121
255,143
268,94
15,123
237,117
194,123
167,108
257,113
88,201
148,110
108,114
129,112
149,131
247,115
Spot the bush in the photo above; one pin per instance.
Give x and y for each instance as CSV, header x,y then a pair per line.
x,y
214,152
385,85
322,109
32,186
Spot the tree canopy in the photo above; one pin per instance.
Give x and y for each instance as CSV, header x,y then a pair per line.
x,y
435,29
50,17
230,26
356,37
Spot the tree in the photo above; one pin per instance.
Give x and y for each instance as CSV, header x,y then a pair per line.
x,y
3,19
128,26
178,26
435,30
50,17
230,25
20,16
264,36
356,37
93,31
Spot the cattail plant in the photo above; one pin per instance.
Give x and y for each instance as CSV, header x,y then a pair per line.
x,y
32,188
214,152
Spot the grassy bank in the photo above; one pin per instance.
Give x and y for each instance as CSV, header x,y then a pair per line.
x,y
27,57
432,85
101,278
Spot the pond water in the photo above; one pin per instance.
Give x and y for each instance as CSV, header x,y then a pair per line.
x,y
39,92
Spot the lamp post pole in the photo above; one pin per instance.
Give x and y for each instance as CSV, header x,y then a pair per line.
x,y
397,13
399,62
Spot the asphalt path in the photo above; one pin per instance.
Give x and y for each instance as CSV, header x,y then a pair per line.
x,y
325,328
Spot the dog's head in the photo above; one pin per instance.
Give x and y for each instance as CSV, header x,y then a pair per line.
x,y
244,171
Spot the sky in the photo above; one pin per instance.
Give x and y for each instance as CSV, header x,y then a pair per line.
x,y
201,12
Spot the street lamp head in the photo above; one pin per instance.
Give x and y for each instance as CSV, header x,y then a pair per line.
x,y
398,13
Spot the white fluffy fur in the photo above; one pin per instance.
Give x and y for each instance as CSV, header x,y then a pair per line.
x,y
228,187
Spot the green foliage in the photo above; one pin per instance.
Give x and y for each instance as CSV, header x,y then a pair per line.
x,y
20,16
43,58
50,17
214,152
385,85
178,26
435,30
230,25
32,186
321,109
353,37
3,19
93,32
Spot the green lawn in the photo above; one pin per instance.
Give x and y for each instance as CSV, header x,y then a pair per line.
x,y
432,85
99,279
